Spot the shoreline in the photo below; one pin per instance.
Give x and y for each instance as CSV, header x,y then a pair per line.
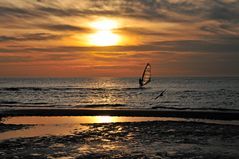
x,y
216,115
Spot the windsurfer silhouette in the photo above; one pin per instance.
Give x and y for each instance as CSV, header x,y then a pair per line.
x,y
146,76
140,82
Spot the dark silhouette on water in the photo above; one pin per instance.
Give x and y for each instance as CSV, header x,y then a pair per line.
x,y
140,82
161,94
146,76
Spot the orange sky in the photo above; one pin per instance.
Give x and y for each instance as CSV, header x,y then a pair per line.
x,y
67,38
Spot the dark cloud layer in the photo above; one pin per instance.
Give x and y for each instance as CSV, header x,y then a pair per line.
x,y
64,27
141,31
15,12
179,46
30,37
166,10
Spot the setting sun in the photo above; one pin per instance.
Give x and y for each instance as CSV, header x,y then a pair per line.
x,y
104,35
104,38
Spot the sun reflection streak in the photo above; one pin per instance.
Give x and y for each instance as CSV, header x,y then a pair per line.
x,y
105,95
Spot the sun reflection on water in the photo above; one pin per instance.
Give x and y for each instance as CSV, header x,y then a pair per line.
x,y
104,119
52,120
104,94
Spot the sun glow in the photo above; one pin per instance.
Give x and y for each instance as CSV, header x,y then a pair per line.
x,y
104,35
104,119
104,38
104,25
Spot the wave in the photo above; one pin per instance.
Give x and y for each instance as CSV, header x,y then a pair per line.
x,y
15,103
190,91
102,105
8,102
188,108
21,88
68,89
56,89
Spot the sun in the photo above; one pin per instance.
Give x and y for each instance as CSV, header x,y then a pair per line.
x,y
104,35
104,38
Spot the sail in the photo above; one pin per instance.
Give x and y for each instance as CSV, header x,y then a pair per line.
x,y
146,77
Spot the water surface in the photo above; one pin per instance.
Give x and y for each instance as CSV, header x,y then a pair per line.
x,y
204,93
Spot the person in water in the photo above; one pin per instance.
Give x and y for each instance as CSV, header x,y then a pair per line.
x,y
140,82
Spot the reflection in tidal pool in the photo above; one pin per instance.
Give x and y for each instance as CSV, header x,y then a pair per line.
x,y
43,130
62,125
81,119
67,125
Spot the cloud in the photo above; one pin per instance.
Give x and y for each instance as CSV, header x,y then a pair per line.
x,y
223,10
198,46
10,59
171,11
163,10
58,12
180,46
141,31
65,27
15,12
30,37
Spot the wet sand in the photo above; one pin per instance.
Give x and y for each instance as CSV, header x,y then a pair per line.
x,y
154,139
8,127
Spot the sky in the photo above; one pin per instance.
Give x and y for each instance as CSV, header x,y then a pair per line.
x,y
116,38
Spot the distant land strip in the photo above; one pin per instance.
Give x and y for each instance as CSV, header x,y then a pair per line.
x,y
217,115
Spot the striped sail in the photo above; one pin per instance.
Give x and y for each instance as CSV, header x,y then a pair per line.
x,y
146,77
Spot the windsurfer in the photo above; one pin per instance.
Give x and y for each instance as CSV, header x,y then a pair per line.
x,y
146,76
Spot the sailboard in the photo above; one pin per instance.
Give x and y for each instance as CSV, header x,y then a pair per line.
x,y
146,76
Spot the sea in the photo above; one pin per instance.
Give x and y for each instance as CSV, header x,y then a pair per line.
x,y
182,93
